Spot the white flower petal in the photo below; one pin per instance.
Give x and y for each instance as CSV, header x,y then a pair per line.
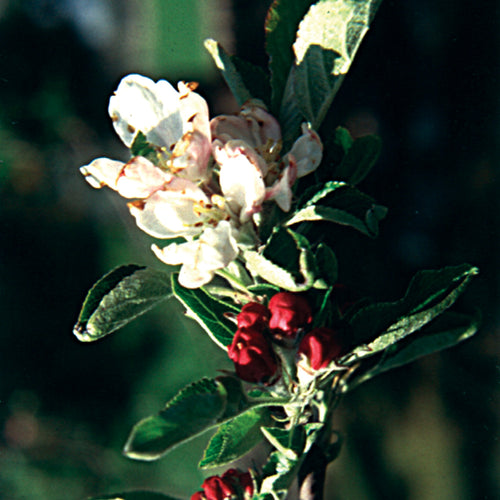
x,y
139,178
102,172
171,212
241,178
213,250
307,151
139,104
281,191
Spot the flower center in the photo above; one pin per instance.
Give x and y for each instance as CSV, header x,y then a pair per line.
x,y
212,213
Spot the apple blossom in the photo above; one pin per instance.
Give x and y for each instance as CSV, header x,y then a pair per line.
x,y
247,147
202,257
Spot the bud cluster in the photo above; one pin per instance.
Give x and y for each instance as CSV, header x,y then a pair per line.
x,y
233,484
287,321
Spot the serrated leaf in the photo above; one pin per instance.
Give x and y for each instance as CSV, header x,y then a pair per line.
x,y
255,79
207,311
338,202
197,408
192,411
289,443
359,160
235,438
430,293
119,297
231,75
445,331
278,474
287,261
327,41
326,261
135,495
281,25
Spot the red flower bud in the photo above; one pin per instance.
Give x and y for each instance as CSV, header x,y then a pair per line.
x,y
242,479
252,355
289,312
217,488
199,495
255,315
231,484
320,346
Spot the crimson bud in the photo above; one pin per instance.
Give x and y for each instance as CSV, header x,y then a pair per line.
x,y
243,479
252,355
320,346
255,315
289,312
218,488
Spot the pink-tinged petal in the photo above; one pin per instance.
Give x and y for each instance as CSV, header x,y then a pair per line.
x,y
193,150
268,126
139,178
241,179
253,125
190,156
102,172
213,250
307,151
281,191
139,104
173,211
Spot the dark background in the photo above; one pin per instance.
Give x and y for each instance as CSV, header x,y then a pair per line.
x,y
425,80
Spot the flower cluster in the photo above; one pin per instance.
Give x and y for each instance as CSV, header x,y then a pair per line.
x,y
202,179
231,485
286,319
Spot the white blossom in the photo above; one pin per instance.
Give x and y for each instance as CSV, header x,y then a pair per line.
x,y
202,257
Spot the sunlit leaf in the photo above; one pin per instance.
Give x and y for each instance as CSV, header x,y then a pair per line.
x,y
119,297
208,311
445,331
287,261
228,69
378,326
235,438
338,202
281,26
327,41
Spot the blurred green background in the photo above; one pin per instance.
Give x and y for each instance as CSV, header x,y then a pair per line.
x,y
425,80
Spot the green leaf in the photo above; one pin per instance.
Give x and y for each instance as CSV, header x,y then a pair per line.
x,y
281,26
255,79
359,160
338,202
135,495
283,464
208,312
327,264
141,147
235,438
197,408
287,261
192,411
228,69
327,41
429,294
119,297
289,442
445,331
